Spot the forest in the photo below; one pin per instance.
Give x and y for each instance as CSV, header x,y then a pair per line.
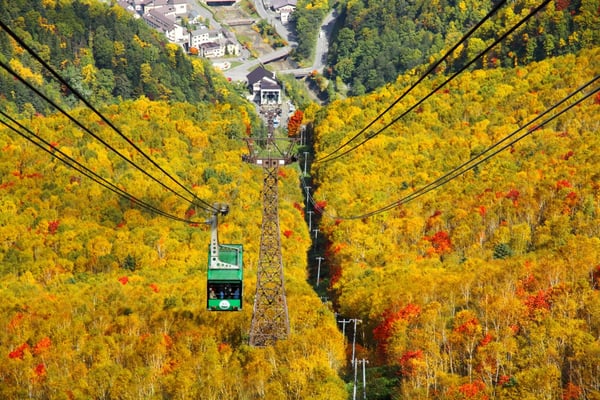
x,y
487,287
102,299
307,21
103,53
376,40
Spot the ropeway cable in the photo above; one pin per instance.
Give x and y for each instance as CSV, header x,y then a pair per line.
x,y
433,91
205,205
72,163
414,85
79,124
458,171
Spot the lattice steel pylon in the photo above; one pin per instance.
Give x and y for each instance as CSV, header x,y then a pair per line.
x,y
270,320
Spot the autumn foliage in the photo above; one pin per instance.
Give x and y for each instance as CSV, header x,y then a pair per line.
x,y
440,243
391,317
19,351
485,288
295,123
102,298
501,263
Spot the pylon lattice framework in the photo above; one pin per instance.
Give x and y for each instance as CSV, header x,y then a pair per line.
x,y
270,320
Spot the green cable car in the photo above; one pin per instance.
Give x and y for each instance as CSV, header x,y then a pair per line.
x,y
225,271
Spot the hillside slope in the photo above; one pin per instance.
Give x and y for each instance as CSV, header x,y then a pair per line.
x,y
378,39
101,51
102,299
489,286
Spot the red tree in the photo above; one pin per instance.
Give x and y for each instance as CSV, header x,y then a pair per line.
x,y
385,329
407,361
19,351
295,123
42,346
571,392
440,242
53,226
40,370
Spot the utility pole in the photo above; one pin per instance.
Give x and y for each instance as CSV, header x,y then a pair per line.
x,y
305,160
301,136
344,322
307,188
270,320
310,213
347,321
319,259
354,362
354,339
364,377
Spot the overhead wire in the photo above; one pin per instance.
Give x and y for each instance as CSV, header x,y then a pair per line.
x,y
74,164
418,81
86,129
533,12
471,164
448,80
203,204
441,182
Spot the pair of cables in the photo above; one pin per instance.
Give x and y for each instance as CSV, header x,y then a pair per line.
x,y
55,152
478,159
193,200
576,97
332,155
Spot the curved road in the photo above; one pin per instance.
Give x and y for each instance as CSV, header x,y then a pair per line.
x,y
240,72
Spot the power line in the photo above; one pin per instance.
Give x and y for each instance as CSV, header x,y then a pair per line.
x,y
458,171
205,206
433,91
79,124
69,161
414,85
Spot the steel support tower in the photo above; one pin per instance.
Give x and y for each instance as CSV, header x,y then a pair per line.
x,y
270,320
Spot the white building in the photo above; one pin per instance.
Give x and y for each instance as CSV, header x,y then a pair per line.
x,y
149,5
212,50
264,86
165,16
166,24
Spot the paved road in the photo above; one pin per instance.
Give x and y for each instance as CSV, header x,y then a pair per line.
x,y
240,72
322,46
206,14
263,9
